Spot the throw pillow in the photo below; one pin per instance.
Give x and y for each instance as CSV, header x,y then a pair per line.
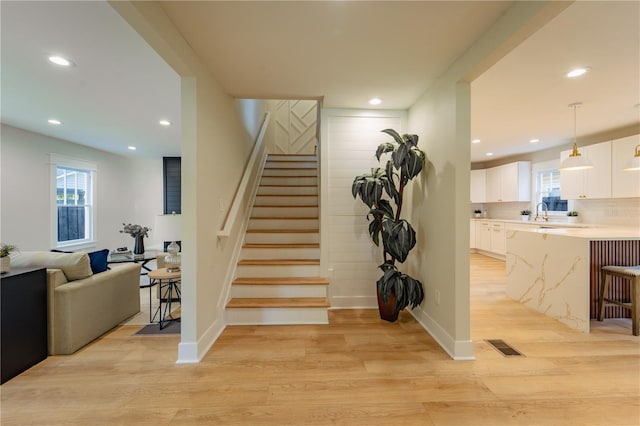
x,y
98,260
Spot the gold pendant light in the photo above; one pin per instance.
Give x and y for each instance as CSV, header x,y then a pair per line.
x,y
575,161
633,163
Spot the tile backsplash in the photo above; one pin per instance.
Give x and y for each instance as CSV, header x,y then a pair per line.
x,y
610,212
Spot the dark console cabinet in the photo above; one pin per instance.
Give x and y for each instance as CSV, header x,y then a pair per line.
x,y
24,320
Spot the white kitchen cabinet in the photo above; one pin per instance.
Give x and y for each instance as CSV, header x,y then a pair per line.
x,y
509,182
624,184
590,183
498,238
483,235
478,186
472,234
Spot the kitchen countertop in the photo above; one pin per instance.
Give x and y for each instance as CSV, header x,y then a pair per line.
x,y
555,224
594,234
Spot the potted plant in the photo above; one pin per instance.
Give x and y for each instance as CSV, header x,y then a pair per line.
x,y
5,260
572,216
525,215
382,191
477,213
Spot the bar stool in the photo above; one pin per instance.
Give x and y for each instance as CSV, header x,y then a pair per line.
x,y
628,274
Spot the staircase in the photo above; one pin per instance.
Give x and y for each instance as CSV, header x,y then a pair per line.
x,y
278,278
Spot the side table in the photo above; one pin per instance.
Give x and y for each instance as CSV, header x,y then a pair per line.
x,y
169,292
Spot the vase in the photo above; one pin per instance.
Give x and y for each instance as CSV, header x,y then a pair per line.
x,y
138,247
388,311
525,218
5,264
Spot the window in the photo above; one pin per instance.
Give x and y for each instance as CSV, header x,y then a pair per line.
x,y
73,202
548,190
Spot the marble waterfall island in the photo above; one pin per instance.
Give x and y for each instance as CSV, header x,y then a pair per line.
x,y
557,271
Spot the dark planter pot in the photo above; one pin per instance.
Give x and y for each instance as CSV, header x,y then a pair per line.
x,y
388,311
138,247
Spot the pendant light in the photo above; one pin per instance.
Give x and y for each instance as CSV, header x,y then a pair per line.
x,y
575,161
633,163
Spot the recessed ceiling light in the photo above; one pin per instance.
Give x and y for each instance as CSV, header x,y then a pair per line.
x,y
375,101
54,121
475,141
164,122
132,148
489,154
59,60
534,140
577,72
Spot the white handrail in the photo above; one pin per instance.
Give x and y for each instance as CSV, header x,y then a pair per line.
x,y
242,188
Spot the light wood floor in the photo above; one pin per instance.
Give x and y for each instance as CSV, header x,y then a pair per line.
x,y
356,371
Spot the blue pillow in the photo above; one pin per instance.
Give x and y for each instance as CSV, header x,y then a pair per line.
x,y
98,260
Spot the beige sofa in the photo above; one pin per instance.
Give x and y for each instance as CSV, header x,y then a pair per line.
x,y
82,305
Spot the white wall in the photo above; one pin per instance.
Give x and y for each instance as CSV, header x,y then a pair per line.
x,y
349,258
441,118
129,190
218,134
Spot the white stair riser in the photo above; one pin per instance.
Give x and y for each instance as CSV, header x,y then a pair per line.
x,y
288,190
292,172
280,253
272,271
275,164
272,291
283,223
266,316
284,180
276,157
284,200
285,212
282,238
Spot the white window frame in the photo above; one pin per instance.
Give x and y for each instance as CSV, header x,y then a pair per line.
x,y
56,161
542,167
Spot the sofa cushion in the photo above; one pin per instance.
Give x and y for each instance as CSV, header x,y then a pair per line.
x,y
98,260
75,266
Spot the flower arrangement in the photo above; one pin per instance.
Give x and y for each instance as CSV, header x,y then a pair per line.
x,y
135,230
525,212
477,211
572,213
7,249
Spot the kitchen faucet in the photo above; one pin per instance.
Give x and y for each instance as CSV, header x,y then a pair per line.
x,y
546,212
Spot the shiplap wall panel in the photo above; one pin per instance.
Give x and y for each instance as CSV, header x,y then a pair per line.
x,y
353,258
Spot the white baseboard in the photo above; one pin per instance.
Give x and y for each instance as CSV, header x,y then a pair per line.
x,y
193,352
458,350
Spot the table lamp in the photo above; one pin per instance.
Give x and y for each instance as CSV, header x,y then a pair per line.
x,y
168,227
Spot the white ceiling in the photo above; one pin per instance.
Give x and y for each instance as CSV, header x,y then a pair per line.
x,y
341,52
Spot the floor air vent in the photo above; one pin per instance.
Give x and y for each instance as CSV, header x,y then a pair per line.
x,y
503,347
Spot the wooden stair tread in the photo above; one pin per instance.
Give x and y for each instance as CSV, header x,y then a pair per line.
x,y
281,281
282,231
287,206
290,176
287,195
279,262
288,168
279,302
284,218
288,186
283,246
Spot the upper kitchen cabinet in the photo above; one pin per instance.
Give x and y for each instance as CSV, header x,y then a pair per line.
x,y
589,183
624,184
509,182
478,186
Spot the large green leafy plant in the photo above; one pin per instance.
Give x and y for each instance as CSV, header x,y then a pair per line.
x,y
382,191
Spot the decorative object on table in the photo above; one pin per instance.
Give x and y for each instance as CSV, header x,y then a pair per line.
x,y
572,216
396,290
168,228
525,215
477,213
5,260
138,233
575,160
